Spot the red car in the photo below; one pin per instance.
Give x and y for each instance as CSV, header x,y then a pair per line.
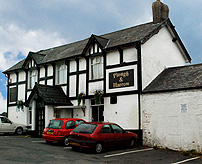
x,y
99,135
58,130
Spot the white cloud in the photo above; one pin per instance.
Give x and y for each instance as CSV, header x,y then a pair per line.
x,y
16,40
3,103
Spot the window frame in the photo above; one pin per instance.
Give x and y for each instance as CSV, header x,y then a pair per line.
x,y
61,74
96,67
33,77
14,97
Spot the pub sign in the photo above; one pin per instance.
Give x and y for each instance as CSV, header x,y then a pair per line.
x,y
121,79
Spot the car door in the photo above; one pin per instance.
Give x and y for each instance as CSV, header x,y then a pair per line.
x,y
6,125
107,136
119,135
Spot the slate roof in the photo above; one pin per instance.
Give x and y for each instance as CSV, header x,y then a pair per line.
x,y
177,78
51,95
108,41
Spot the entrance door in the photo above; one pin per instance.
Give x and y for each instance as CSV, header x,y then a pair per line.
x,y
40,122
98,113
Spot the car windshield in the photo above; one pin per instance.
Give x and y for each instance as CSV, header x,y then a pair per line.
x,y
85,128
55,124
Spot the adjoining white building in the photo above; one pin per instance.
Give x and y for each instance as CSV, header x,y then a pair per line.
x,y
172,109
121,64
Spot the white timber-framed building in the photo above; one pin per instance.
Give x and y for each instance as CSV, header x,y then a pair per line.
x,y
121,64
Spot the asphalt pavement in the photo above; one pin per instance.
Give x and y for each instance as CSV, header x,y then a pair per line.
x,y
27,150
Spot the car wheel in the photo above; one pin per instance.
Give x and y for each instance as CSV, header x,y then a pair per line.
x,y
19,131
98,147
132,142
66,141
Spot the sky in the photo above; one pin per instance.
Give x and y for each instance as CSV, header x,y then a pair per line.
x,y
33,25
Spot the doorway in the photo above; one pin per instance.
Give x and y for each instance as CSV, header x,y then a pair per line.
x,y
40,121
98,113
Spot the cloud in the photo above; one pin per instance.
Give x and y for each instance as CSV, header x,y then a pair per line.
x,y
3,103
16,42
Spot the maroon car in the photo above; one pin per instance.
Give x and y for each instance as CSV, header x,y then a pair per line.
x,y
99,135
58,130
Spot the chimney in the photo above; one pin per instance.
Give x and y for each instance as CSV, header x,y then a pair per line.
x,y
160,11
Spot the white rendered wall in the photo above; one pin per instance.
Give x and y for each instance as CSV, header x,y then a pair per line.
x,y
93,86
113,58
129,55
22,76
21,92
49,114
158,53
72,66
125,112
50,70
42,72
173,120
42,82
72,84
78,113
82,64
13,78
50,82
82,83
18,115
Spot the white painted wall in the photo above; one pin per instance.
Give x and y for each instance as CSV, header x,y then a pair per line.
x,y
72,66
82,83
113,58
158,53
125,112
169,125
50,70
93,86
18,115
21,92
49,114
72,84
50,82
13,78
82,64
129,55
22,76
42,72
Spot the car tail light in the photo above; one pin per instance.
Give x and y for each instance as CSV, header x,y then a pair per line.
x,y
59,133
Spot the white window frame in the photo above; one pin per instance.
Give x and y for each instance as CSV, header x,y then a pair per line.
x,y
97,67
61,73
32,78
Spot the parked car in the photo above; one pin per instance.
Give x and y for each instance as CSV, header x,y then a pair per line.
x,y
99,135
58,130
7,126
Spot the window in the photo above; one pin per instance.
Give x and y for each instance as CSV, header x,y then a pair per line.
x,y
70,125
106,129
32,78
117,129
61,74
13,95
97,67
5,120
78,122
55,124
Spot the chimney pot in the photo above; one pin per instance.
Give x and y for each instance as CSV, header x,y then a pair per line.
x,y
160,11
